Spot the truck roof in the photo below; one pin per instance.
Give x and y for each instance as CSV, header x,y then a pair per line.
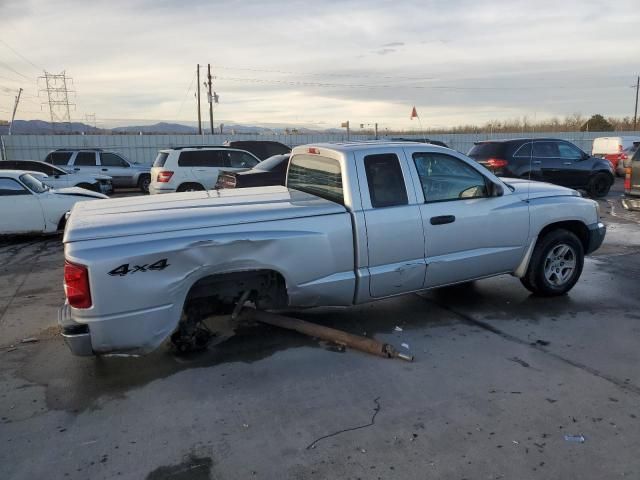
x,y
365,145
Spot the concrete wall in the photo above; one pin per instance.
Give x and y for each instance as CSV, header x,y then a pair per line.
x,y
143,148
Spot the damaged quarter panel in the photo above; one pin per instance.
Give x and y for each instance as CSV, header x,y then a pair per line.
x,y
140,281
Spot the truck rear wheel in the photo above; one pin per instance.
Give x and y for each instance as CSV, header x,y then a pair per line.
x,y
143,183
556,264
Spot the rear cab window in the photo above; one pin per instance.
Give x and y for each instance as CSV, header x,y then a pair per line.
x,y
385,180
317,175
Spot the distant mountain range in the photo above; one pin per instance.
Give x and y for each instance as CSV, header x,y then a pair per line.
x,y
40,127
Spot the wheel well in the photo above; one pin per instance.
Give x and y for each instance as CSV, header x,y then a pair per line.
x,y
219,292
62,223
575,226
186,184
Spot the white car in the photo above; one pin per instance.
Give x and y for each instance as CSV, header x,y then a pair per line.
x,y
186,169
57,177
29,206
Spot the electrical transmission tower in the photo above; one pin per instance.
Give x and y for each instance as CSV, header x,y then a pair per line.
x,y
57,88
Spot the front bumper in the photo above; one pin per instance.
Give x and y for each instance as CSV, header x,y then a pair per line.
x,y
597,232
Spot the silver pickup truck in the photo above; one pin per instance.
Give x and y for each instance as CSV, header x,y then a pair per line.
x,y
356,222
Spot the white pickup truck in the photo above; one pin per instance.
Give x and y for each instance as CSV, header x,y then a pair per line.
x,y
356,222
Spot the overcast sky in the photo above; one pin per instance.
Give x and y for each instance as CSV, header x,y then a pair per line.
x,y
320,63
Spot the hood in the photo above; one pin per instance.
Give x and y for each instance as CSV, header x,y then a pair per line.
x,y
533,189
190,210
77,192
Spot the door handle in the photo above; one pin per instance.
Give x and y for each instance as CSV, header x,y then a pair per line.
x,y
105,169
568,163
442,219
537,162
76,169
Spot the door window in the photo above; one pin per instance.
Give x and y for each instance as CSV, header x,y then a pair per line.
x,y
545,149
85,159
58,158
240,160
9,187
523,151
385,180
445,178
569,152
112,160
201,158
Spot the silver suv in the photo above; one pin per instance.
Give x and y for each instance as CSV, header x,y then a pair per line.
x,y
124,174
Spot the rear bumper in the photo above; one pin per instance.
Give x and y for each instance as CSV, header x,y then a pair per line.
x,y
153,189
597,232
631,202
131,333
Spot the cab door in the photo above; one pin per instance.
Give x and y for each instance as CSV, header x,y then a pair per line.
x,y
469,233
117,168
21,210
395,236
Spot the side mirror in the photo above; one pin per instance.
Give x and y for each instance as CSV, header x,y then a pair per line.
x,y
495,190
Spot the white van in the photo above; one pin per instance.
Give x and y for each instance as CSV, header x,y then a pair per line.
x,y
186,169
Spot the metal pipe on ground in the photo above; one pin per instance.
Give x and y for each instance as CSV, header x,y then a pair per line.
x,y
364,344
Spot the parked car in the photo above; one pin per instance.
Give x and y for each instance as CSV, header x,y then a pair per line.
x,y
615,149
187,169
545,159
631,199
355,223
262,149
272,171
123,173
57,177
30,206
420,140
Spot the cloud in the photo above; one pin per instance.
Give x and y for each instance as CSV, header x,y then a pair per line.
x,y
461,61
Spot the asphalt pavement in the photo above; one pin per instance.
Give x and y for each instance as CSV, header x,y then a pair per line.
x,y
500,378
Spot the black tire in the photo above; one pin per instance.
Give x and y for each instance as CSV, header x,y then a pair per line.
x,y
550,272
599,185
143,183
190,187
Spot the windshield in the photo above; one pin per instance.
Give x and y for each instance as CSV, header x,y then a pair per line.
x,y
33,183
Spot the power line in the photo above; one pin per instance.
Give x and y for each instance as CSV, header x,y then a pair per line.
x,y
21,56
13,70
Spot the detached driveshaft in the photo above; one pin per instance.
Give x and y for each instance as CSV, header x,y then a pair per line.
x,y
356,342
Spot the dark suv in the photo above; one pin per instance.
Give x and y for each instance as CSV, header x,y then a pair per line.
x,y
546,159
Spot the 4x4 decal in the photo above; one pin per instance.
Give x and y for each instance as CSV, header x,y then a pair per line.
x,y
127,269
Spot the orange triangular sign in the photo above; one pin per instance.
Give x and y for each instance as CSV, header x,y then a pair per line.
x,y
414,113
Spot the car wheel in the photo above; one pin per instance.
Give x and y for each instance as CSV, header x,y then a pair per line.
x,y
144,182
599,185
556,264
190,187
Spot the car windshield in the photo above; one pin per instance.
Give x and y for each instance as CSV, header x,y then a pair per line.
x,y
33,183
271,162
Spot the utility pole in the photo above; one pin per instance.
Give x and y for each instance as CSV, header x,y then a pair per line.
x,y
15,107
376,131
199,116
635,115
210,97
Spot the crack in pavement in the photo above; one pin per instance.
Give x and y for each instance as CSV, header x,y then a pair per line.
x,y
371,422
623,385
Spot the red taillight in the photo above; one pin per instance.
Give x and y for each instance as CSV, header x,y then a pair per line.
x,y
497,163
164,177
76,285
313,150
627,178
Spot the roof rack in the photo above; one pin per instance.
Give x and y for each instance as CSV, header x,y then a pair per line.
x,y
182,147
92,149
